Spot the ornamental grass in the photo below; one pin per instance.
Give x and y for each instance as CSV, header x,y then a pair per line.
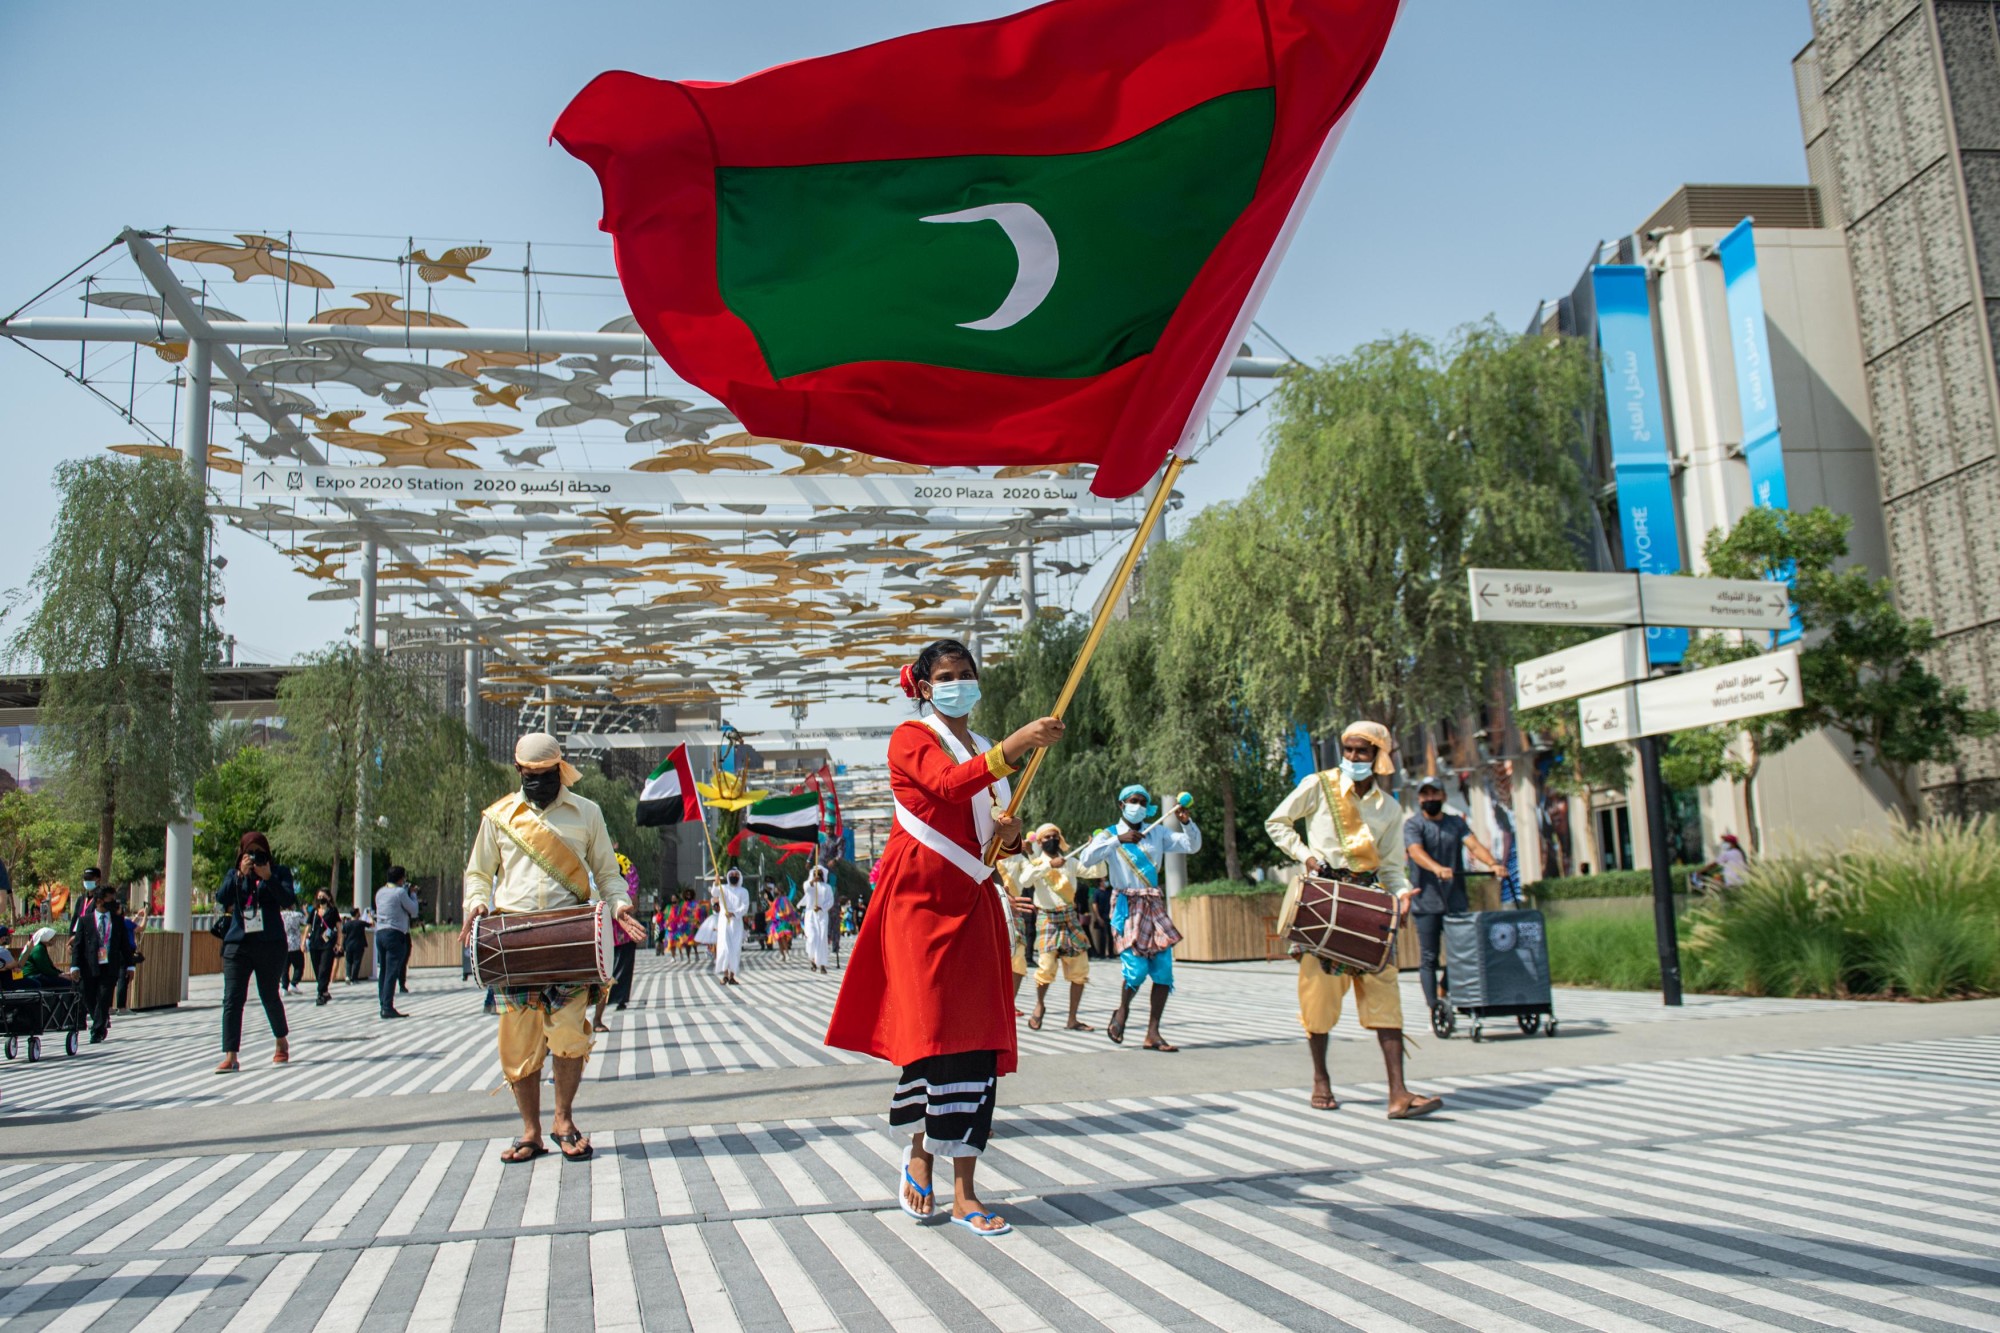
x,y
1914,915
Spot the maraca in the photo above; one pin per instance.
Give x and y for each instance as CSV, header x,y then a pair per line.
x,y
1186,802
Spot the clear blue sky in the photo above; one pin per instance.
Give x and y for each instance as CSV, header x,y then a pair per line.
x,y
1498,142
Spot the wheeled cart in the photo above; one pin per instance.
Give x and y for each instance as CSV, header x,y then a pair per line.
x,y
1496,965
27,1014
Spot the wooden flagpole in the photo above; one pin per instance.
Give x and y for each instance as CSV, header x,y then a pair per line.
x,y
1112,592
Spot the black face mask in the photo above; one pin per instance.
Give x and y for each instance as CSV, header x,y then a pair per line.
x,y
543,787
1432,807
1050,847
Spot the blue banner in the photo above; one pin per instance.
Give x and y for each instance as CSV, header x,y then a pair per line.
x,y
1750,340
1639,460
1299,754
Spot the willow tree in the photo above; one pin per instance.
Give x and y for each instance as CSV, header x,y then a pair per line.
x,y
122,637
1173,683
350,722
1077,787
1391,472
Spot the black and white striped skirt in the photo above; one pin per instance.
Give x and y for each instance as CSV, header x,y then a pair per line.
x,y
951,1096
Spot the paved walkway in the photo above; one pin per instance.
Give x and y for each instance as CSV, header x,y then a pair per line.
x,y
1804,1183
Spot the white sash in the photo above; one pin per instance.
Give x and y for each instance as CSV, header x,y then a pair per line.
x,y
982,814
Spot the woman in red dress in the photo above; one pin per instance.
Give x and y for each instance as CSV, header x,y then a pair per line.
x,y
929,983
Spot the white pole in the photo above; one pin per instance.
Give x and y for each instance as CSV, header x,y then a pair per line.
x,y
178,891
1027,563
361,857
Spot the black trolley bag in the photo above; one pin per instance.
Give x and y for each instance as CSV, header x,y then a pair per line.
x,y
1496,966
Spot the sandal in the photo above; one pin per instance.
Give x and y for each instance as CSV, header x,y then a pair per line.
x,y
283,1055
229,1065
569,1141
971,1223
523,1150
1325,1101
1035,1021
1115,1030
921,1191
1075,1026
1422,1106
1159,1046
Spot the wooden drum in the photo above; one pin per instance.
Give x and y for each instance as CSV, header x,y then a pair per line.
x,y
567,946
1349,920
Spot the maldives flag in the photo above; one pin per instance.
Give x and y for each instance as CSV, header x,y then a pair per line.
x,y
1035,240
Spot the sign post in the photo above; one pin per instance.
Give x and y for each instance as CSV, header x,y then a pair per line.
x,y
1620,710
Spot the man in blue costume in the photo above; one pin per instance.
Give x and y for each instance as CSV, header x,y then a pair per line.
x,y
1136,854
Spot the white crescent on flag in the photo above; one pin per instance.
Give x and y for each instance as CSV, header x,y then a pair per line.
x,y
1035,254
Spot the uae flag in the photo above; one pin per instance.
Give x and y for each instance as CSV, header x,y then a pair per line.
x,y
786,818
669,796
1036,240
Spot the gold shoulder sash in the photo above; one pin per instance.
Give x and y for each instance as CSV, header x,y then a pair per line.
x,y
1357,844
518,822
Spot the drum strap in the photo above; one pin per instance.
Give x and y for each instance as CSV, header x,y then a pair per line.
x,y
1357,842
517,820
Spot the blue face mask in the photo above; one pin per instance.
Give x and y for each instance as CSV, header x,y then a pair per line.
x,y
955,698
1135,813
1360,770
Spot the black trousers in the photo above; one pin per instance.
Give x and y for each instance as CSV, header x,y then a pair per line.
x,y
295,966
98,991
392,955
323,968
354,962
624,956
242,964
1430,942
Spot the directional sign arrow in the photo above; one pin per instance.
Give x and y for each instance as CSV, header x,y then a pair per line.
x,y
1486,593
1727,693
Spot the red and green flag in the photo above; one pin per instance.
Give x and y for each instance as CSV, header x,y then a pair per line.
x,y
1035,240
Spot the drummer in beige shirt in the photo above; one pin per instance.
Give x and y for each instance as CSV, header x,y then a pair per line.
x,y
539,848
1323,985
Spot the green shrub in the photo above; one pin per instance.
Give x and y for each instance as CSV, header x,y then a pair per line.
x,y
1609,884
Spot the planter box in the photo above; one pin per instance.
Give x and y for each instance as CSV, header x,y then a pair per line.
x,y
435,948
156,983
1228,927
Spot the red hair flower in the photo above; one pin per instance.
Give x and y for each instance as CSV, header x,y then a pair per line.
x,y
908,680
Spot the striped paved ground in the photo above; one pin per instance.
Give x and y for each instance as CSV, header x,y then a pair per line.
x,y
680,1024
1745,1192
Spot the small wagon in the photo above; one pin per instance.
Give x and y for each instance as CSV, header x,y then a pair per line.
x,y
28,1014
1496,965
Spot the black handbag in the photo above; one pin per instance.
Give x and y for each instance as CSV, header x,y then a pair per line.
x,y
220,926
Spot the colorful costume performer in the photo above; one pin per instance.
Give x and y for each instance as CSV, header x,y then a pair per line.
x,y
926,987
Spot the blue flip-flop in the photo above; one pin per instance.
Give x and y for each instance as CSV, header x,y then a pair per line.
x,y
923,1192
967,1223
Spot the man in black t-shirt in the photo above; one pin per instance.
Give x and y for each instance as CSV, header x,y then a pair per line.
x,y
1437,843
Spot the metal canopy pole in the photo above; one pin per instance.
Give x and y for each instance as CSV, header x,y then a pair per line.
x,y
1027,561
365,755
178,903
248,333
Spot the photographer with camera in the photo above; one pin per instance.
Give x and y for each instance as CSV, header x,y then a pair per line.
x,y
255,895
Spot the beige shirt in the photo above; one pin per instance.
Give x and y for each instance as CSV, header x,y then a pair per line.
x,y
1379,811
503,878
1054,890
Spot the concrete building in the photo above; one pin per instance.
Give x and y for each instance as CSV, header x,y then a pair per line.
x,y
1899,101
1819,791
